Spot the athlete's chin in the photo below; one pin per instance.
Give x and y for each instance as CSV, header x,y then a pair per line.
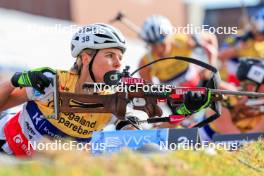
x,y
100,80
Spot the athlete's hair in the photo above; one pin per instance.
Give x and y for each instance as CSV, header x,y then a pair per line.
x,y
77,66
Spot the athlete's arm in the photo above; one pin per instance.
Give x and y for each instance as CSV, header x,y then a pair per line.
x,y
210,44
227,53
224,124
227,86
259,127
11,96
144,73
6,89
13,92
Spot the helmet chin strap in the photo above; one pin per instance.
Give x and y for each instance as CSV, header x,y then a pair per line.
x,y
91,66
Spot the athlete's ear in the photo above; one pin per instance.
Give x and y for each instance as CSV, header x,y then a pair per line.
x,y
86,58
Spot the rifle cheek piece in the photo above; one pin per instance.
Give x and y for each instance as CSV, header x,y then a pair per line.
x,y
153,110
120,106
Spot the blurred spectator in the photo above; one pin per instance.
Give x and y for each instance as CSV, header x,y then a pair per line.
x,y
241,114
248,43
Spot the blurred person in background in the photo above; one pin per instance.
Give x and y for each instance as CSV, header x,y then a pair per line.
x,y
241,114
249,43
157,32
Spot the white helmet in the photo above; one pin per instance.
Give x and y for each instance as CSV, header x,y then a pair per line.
x,y
258,20
97,36
155,29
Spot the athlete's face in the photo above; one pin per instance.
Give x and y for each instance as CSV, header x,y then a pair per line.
x,y
106,60
261,88
158,49
249,86
162,49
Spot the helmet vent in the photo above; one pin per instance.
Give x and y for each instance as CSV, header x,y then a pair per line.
x,y
118,37
77,38
103,35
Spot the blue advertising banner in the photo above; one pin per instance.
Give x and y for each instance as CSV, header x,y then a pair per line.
x,y
114,141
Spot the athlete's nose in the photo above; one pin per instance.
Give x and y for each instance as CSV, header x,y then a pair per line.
x,y
117,63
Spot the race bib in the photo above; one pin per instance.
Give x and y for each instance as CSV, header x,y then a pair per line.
x,y
256,74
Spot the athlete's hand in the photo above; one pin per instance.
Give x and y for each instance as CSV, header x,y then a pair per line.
x,y
33,78
194,102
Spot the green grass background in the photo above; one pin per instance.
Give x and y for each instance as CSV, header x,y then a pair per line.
x,y
247,161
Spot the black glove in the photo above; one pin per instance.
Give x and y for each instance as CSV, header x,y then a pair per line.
x,y
33,78
194,102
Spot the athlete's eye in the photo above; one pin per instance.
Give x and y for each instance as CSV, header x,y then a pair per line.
x,y
110,55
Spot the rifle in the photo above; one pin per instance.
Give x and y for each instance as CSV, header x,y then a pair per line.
x,y
121,17
147,101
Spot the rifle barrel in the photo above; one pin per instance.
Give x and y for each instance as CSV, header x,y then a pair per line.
x,y
241,93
